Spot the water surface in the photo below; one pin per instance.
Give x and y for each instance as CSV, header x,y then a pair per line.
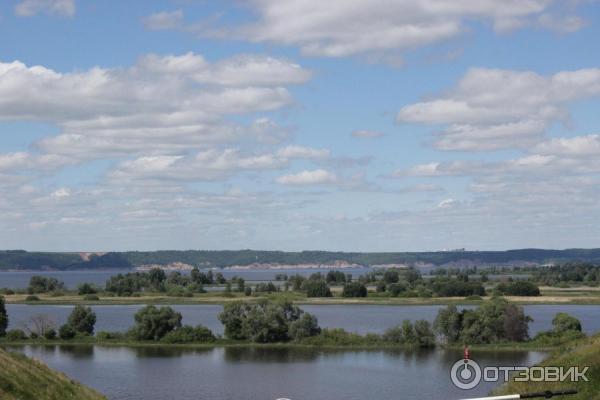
x,y
267,373
354,318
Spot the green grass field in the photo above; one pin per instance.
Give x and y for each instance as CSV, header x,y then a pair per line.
x,y
22,378
582,353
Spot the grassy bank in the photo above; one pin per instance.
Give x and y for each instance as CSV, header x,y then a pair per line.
x,y
581,353
22,378
581,297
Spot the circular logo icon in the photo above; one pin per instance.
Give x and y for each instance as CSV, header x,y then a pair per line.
x,y
465,374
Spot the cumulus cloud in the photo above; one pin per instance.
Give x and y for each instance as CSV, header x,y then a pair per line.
x,y
377,29
494,109
367,134
160,104
207,165
315,177
28,8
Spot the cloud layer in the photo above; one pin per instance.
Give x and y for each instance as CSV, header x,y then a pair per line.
x,y
492,109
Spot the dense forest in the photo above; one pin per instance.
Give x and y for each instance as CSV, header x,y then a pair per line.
x,y
23,260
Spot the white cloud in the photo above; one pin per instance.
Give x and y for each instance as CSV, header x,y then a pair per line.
x,y
446,203
561,23
28,8
376,28
160,104
494,109
163,20
578,146
303,152
367,134
315,177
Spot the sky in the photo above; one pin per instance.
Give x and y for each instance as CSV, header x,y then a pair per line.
x,y
363,125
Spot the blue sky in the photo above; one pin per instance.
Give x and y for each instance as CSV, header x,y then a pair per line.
x,y
381,126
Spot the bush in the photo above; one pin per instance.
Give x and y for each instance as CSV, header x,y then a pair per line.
x,y
33,335
91,297
50,334
265,288
105,335
305,326
473,298
86,288
564,322
519,288
316,288
248,291
354,289
3,317
189,334
66,332
32,298
395,289
16,335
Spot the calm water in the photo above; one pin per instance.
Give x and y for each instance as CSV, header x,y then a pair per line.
x,y
355,318
265,374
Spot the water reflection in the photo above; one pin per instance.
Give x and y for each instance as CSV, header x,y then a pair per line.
x,y
258,373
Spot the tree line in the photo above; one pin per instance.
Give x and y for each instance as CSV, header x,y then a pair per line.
x,y
494,321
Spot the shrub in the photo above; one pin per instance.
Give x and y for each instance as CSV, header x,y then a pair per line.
x,y
3,317
564,322
265,288
316,288
105,335
395,289
66,332
305,326
189,334
91,297
86,288
519,288
32,298
15,335
50,334
248,291
354,289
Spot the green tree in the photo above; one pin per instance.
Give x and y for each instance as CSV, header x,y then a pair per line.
x,y
86,288
263,322
424,333
391,276
447,324
157,278
153,323
316,288
82,320
3,317
564,322
305,326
